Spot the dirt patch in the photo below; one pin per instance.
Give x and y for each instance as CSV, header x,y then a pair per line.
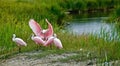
x,y
23,59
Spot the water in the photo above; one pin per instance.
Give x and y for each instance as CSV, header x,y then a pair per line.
x,y
89,25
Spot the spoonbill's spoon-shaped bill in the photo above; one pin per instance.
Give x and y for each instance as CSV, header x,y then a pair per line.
x,y
19,41
37,39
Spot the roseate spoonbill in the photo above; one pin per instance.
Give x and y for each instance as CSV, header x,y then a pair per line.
x,y
38,40
49,41
57,42
44,34
19,42
36,28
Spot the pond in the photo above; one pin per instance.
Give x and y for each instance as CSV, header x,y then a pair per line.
x,y
89,25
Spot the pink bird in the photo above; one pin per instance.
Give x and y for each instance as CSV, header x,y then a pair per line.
x,y
19,42
38,40
55,40
49,41
49,31
36,28
47,37
44,34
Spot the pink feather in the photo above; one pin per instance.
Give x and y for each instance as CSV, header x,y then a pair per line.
x,y
49,31
57,43
36,28
38,39
49,41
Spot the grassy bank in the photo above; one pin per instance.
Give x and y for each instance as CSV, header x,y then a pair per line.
x,y
115,17
96,47
52,9
15,15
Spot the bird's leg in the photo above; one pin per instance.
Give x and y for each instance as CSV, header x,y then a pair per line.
x,y
40,46
50,46
37,47
19,49
57,47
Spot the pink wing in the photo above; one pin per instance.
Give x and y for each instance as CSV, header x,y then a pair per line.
x,y
20,42
49,32
49,41
35,27
58,43
39,40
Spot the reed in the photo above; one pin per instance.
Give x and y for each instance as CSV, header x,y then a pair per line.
x,y
15,15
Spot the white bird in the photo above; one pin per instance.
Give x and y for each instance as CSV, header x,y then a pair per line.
x,y
19,42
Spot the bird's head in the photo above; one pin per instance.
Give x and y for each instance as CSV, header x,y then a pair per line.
x,y
14,35
44,31
55,35
32,35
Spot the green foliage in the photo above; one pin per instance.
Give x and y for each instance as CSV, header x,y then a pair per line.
x,y
15,15
117,12
92,4
115,17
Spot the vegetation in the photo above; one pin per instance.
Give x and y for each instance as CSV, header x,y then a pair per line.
x,y
15,15
115,17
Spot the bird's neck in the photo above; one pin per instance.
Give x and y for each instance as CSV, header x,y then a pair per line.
x,y
55,36
32,37
13,38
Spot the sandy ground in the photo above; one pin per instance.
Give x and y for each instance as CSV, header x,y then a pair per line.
x,y
23,59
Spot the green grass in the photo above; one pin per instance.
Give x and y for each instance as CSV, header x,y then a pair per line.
x,y
15,15
115,17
